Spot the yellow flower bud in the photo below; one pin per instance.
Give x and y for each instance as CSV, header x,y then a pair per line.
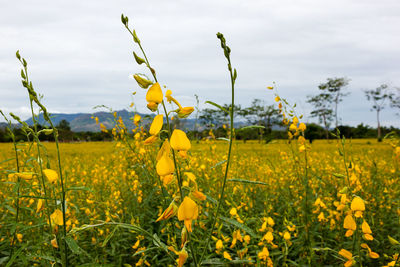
x,y
185,112
142,82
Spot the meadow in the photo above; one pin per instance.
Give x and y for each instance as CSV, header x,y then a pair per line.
x,y
113,189
152,197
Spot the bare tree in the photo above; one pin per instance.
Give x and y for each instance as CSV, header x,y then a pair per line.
x,y
378,97
335,87
322,109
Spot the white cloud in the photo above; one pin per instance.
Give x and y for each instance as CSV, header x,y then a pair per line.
x,y
80,55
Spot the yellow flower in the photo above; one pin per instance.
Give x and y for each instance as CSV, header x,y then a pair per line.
x,y
152,106
357,204
185,112
165,165
19,237
349,224
270,221
136,119
169,212
51,175
365,228
154,96
183,255
164,150
262,255
54,242
150,140
348,255
188,211
286,235
219,245
227,256
57,217
156,125
270,87
293,127
302,127
179,140
371,254
277,98
269,237
198,195
39,205
23,175
233,212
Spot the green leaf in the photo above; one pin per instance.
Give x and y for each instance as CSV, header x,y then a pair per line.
x,y
46,257
15,255
218,106
251,127
247,181
73,245
240,226
138,59
218,164
109,236
83,188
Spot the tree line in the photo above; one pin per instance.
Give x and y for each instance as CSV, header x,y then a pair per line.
x,y
325,105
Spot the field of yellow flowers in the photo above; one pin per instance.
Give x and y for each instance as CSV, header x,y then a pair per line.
x,y
152,197
113,190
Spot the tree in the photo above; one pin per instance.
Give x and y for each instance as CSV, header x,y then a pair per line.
x,y
334,87
378,97
322,109
395,101
261,114
217,117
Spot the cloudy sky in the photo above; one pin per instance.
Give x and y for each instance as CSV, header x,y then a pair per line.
x,y
80,55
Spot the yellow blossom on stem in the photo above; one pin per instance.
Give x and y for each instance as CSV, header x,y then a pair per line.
x,y
198,195
262,255
185,112
51,175
154,96
219,245
188,211
156,125
165,166
57,217
179,140
150,140
347,255
182,257
349,224
169,212
227,256
136,119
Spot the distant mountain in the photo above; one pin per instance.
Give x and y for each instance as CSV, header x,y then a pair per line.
x,y
82,122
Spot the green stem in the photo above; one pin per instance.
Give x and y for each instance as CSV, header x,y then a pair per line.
x,y
169,138
222,194
37,141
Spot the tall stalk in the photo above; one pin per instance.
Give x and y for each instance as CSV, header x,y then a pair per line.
x,y
233,75
18,181
178,174
34,98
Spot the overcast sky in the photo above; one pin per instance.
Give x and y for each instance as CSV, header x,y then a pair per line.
x,y
80,55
